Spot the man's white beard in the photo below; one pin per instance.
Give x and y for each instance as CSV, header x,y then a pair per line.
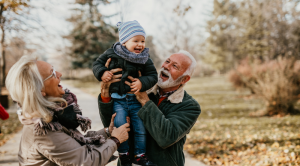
x,y
170,82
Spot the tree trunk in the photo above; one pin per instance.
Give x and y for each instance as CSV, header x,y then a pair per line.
x,y
3,56
2,76
3,67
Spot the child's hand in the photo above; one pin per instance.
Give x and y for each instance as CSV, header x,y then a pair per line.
x,y
136,85
107,76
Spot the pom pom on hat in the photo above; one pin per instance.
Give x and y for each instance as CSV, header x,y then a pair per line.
x,y
129,29
119,24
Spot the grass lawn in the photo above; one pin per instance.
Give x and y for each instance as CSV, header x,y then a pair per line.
x,y
225,134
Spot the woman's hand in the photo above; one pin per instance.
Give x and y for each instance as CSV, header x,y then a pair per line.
x,y
121,133
111,125
115,78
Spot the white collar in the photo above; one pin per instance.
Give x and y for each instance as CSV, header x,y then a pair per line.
x,y
176,97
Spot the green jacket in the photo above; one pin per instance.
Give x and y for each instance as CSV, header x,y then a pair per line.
x,y
167,125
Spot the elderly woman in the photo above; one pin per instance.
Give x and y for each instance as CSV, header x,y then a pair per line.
x,y
34,85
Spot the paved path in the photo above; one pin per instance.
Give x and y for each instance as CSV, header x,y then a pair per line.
x,y
89,107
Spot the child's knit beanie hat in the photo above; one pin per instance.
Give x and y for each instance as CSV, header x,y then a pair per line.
x,y
129,29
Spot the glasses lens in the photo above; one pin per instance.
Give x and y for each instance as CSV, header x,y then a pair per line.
x,y
54,72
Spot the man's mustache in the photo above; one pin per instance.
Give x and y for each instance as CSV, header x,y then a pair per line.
x,y
166,72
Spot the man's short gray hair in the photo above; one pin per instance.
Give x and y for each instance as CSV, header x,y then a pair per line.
x,y
192,66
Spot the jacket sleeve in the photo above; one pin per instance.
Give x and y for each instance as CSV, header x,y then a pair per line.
x,y
149,76
105,111
94,133
169,129
99,66
63,150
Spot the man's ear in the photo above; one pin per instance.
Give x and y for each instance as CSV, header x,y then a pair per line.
x,y
123,44
185,79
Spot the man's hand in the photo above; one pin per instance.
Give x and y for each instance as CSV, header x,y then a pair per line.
x,y
115,78
142,97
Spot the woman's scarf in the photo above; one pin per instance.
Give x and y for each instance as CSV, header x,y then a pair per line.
x,y
67,120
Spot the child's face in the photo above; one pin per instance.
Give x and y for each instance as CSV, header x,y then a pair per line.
x,y
135,44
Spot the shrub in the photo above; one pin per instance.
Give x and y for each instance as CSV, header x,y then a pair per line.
x,y
276,81
243,69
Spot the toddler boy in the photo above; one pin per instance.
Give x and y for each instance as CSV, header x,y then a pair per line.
x,y
131,55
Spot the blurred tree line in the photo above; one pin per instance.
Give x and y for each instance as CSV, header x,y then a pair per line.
x,y
259,42
256,29
10,22
91,35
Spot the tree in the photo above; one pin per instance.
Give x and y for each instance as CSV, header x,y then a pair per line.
x,y
155,58
14,50
91,36
177,31
259,30
263,46
219,48
9,10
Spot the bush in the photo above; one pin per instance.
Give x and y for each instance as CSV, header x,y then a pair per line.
x,y
276,81
243,69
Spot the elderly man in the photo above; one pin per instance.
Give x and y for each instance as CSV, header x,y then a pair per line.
x,y
168,112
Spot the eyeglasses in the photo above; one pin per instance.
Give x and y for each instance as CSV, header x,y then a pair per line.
x,y
53,74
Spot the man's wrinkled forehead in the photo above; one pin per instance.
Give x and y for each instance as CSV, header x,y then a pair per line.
x,y
181,59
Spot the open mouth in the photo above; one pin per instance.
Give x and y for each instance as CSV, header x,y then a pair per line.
x,y
164,75
136,50
60,86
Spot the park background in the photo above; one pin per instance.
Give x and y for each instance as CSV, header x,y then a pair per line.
x,y
247,79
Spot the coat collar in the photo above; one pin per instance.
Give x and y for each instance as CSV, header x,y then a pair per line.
x,y
176,97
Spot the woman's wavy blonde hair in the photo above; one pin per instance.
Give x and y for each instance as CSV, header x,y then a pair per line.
x,y
24,84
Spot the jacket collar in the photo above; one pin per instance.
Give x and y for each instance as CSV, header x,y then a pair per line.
x,y
176,97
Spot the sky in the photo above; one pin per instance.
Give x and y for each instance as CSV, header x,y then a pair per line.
x,y
155,16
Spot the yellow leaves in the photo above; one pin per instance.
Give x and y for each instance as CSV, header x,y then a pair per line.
x,y
275,145
8,127
13,5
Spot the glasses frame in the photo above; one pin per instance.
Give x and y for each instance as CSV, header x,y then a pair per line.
x,y
53,74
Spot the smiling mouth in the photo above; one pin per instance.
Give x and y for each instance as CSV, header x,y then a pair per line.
x,y
137,50
163,75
